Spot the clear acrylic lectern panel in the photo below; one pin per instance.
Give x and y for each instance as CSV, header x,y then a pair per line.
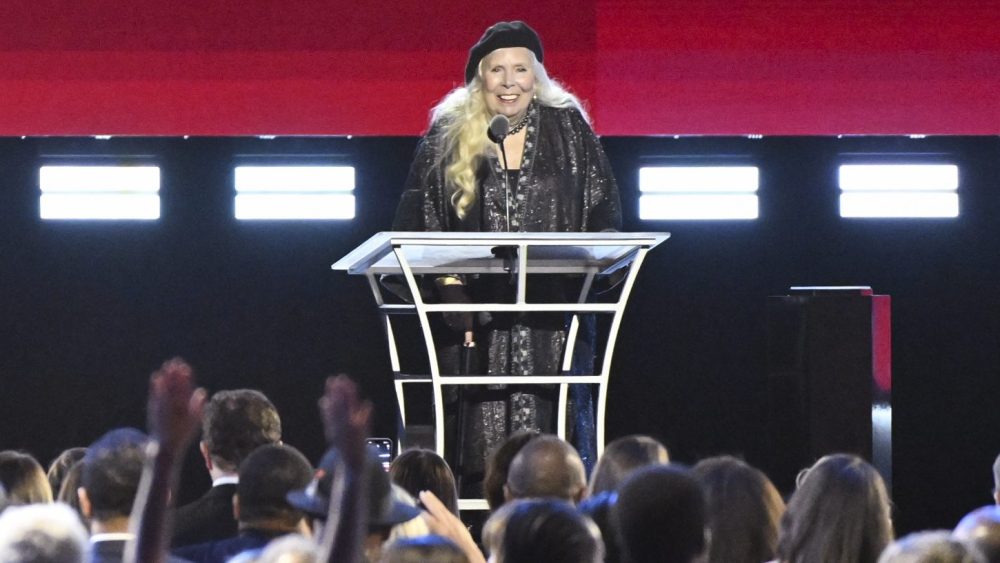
x,y
584,256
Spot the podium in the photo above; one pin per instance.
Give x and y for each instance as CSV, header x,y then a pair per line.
x,y
587,258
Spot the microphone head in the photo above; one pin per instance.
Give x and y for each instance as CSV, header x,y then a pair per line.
x,y
499,126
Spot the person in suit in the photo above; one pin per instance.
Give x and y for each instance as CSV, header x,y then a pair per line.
x,y
109,483
234,424
266,477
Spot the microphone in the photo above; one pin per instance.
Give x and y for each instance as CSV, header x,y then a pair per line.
x,y
499,126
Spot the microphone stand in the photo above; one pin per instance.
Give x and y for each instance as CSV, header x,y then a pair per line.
x,y
508,253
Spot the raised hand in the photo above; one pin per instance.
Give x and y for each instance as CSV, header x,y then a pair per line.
x,y
175,406
442,522
346,419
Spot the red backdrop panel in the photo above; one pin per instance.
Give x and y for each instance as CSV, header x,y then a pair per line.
x,y
312,67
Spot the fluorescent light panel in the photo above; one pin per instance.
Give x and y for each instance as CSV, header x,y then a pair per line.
x,y
294,192
295,206
77,179
899,204
694,206
902,177
99,192
270,179
687,179
898,190
698,192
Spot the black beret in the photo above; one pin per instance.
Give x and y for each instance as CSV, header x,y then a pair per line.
x,y
499,36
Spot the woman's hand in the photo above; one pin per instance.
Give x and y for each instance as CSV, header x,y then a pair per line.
x,y
442,522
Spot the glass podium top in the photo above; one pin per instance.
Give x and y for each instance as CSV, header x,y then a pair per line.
x,y
457,252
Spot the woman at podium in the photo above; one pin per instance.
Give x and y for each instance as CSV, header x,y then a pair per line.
x,y
511,150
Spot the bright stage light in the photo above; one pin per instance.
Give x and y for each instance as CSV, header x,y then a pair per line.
x,y
294,192
99,192
899,190
698,192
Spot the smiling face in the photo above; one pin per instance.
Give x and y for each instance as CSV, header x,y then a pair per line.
x,y
509,81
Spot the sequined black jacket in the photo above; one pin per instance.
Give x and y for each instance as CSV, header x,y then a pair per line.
x,y
565,184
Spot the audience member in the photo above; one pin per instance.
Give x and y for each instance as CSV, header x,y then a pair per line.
x,y
266,477
840,513
109,482
60,467
660,516
234,424
547,467
24,479
930,547
41,533
423,470
981,527
621,457
542,530
384,509
498,464
744,511
426,549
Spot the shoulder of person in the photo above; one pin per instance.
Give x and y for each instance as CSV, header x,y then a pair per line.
x,y
570,115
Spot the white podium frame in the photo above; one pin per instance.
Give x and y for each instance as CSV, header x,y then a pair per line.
x,y
412,254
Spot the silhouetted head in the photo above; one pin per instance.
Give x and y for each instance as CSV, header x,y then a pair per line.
x,y
660,516
840,512
547,467
744,511
621,457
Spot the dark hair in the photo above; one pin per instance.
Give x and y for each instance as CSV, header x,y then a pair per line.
x,y
840,514
423,549
542,530
423,470
266,477
23,478
498,464
660,515
111,472
60,466
237,422
547,467
744,511
621,457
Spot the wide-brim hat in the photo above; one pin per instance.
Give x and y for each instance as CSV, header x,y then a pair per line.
x,y
499,36
383,509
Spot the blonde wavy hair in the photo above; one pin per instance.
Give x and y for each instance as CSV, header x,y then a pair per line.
x,y
463,119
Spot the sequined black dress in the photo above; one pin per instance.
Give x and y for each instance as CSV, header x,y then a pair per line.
x,y
565,184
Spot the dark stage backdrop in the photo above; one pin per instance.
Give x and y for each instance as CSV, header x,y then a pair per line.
x,y
365,67
89,309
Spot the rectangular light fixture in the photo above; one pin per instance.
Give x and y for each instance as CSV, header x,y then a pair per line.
x,y
688,179
294,192
899,205
99,192
698,192
898,177
899,190
704,207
